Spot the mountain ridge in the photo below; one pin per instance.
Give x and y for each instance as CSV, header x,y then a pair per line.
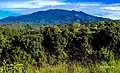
x,y
54,16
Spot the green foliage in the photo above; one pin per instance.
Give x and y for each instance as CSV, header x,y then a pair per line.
x,y
39,46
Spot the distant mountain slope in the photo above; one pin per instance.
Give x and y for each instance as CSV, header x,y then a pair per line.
x,y
53,16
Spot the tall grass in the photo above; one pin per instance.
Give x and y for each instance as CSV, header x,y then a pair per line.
x,y
103,67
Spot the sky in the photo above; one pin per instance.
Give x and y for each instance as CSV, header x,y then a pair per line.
x,y
102,8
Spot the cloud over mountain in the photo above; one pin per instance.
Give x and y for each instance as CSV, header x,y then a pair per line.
x,y
94,7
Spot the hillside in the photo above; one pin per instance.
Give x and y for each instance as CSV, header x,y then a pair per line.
x,y
54,16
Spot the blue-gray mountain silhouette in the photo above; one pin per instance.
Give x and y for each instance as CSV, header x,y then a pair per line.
x,y
54,16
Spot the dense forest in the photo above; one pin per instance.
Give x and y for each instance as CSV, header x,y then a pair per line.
x,y
59,47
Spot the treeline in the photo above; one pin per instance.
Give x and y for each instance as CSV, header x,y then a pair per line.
x,y
38,45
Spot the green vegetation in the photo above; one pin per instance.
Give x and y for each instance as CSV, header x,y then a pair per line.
x,y
75,48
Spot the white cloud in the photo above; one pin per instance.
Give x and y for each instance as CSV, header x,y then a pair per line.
x,y
116,8
112,7
31,4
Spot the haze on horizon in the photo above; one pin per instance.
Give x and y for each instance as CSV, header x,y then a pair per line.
x,y
101,8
